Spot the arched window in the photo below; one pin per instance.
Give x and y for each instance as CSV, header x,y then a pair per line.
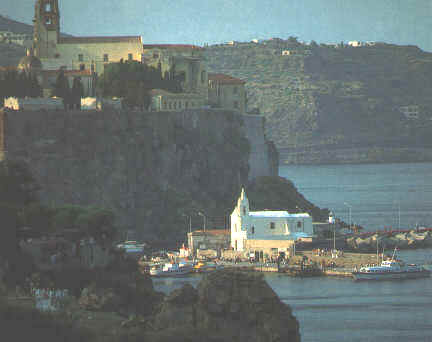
x,y
47,7
244,210
253,230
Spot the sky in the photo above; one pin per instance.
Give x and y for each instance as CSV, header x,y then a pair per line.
x,y
404,22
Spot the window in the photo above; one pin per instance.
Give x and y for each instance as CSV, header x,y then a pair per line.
x,y
169,105
155,55
82,67
236,105
48,7
130,57
105,57
203,74
274,251
80,57
244,210
272,225
299,224
48,20
253,230
235,90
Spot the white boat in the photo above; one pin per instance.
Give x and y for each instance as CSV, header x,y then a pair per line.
x,y
132,246
170,270
391,269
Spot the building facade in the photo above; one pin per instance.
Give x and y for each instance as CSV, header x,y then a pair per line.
x,y
269,232
77,53
227,92
214,239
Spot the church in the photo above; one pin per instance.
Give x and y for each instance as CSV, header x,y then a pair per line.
x,y
268,232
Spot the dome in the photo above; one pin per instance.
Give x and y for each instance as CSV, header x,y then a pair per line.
x,y
30,63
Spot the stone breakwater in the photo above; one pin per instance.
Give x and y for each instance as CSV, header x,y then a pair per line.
x,y
402,240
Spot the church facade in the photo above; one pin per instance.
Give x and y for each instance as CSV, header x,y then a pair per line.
x,y
269,232
77,53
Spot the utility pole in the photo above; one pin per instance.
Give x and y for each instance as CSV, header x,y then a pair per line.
x,y
349,207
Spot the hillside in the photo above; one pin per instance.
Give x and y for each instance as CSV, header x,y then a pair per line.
x,y
7,24
332,100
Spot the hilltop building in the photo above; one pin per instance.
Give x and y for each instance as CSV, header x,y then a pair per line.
x,y
267,232
227,92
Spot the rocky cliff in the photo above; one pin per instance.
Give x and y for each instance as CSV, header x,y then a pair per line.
x,y
150,168
229,306
336,98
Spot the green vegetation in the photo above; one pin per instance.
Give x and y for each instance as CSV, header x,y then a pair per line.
x,y
277,193
14,84
333,96
133,80
71,96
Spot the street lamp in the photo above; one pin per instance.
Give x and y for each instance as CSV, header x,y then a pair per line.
x,y
349,206
399,217
190,222
201,214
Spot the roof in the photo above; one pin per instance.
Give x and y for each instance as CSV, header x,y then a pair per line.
x,y
68,72
270,214
225,79
293,236
171,46
98,40
213,232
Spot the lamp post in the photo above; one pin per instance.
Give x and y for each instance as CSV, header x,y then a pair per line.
x,y
201,214
349,206
190,222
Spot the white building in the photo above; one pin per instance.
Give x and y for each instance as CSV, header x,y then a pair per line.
x,y
270,232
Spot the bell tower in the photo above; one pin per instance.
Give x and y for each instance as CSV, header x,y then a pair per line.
x,y
46,29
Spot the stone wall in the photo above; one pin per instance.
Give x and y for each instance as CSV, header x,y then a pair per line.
x,y
263,160
136,163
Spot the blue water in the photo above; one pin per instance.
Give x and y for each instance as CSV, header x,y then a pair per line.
x,y
338,309
375,192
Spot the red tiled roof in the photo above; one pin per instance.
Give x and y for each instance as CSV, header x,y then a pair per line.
x,y
225,79
102,39
171,46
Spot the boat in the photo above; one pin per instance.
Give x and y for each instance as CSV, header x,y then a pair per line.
x,y
170,269
204,267
132,246
391,269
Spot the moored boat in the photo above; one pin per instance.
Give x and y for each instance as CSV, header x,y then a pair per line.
x,y
204,267
170,269
391,269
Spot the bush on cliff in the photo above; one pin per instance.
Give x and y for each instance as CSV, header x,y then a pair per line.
x,y
278,193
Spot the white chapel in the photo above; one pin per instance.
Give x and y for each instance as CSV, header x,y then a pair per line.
x,y
272,232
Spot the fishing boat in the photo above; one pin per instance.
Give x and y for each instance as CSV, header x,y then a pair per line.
x,y
170,269
391,269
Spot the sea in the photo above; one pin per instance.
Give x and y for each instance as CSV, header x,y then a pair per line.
x,y
340,309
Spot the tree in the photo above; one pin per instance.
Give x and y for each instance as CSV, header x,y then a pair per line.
x,y
77,93
35,90
18,188
61,88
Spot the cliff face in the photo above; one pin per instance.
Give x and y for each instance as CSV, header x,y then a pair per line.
x,y
229,306
150,168
326,97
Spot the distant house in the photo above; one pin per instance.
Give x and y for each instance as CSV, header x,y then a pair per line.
x,y
267,232
162,100
287,52
227,92
215,239
355,43
410,112
256,41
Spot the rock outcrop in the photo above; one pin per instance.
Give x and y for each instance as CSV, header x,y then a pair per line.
x,y
403,240
148,167
228,306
